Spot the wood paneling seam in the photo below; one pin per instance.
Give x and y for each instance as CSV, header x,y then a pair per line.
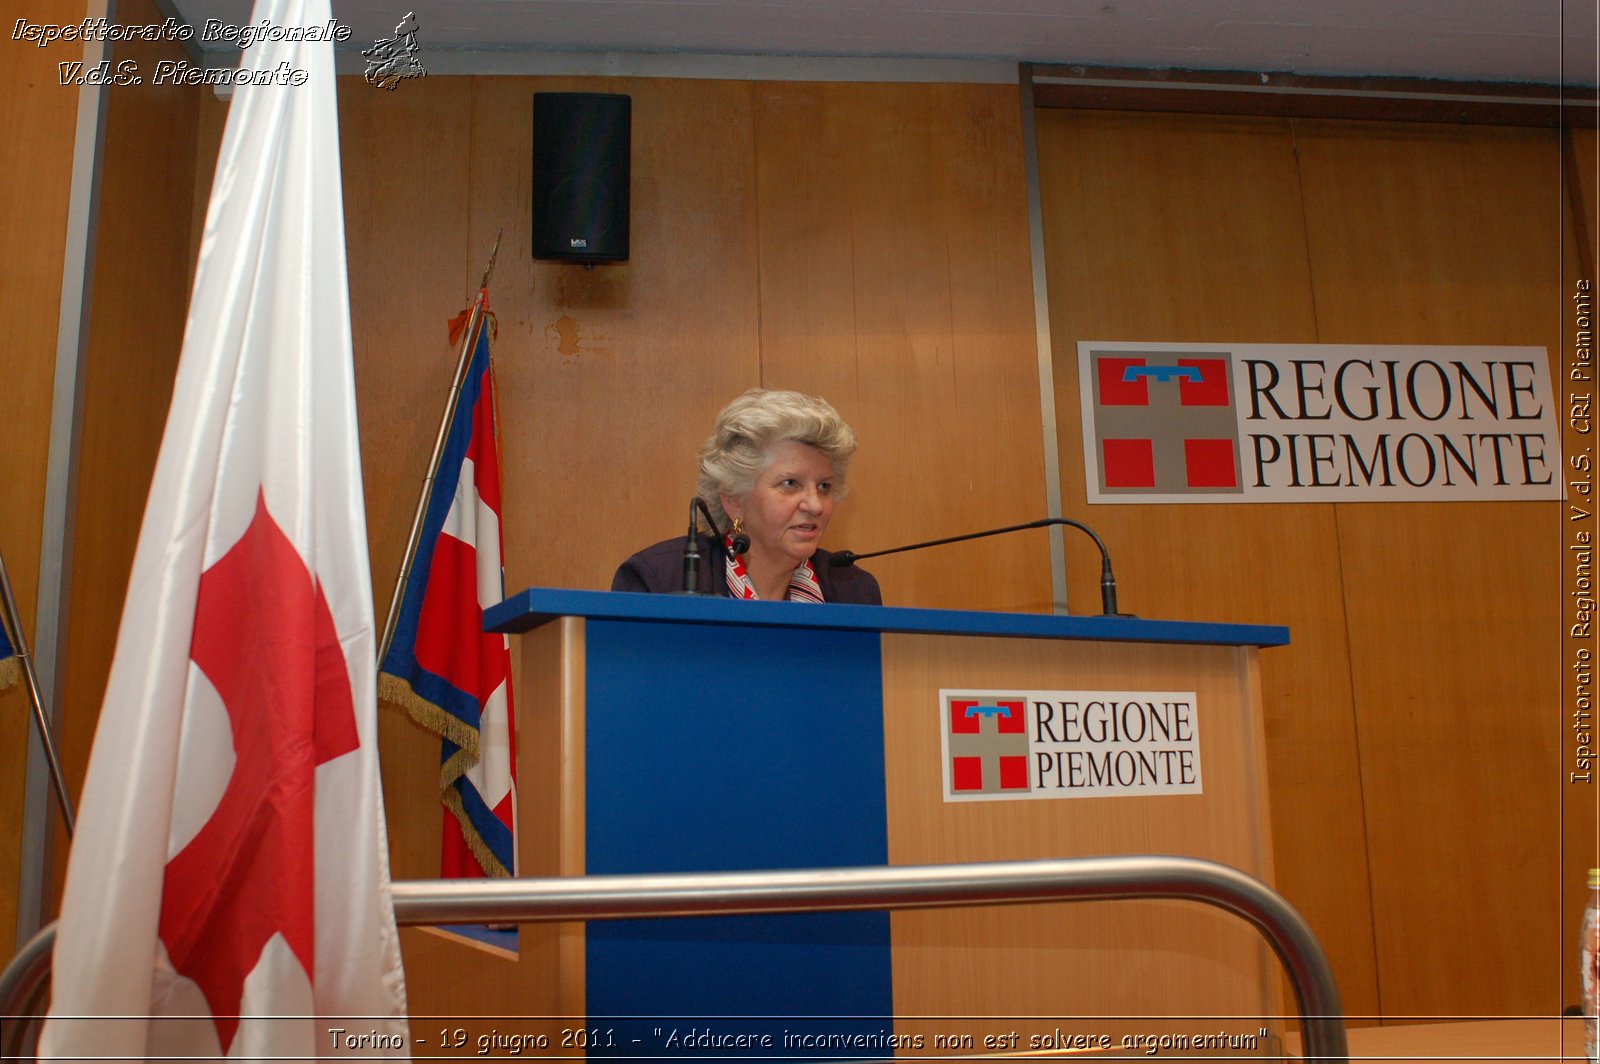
x,y
1042,343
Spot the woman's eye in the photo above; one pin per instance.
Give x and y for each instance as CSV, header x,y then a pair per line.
x,y
826,487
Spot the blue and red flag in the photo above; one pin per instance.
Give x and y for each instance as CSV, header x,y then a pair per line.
x,y
450,676
9,671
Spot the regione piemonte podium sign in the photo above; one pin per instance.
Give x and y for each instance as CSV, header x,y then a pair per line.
x,y
1000,745
1215,423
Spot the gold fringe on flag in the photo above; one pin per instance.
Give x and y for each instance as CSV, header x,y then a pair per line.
x,y
10,673
486,858
397,694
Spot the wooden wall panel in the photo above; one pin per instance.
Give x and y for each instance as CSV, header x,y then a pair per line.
x,y
1582,171
1433,234
1165,228
406,228
610,377
37,121
895,281
140,299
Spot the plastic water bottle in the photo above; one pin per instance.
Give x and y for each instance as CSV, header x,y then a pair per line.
x,y
1588,959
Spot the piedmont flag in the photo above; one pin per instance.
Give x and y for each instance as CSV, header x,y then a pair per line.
x,y
452,677
228,887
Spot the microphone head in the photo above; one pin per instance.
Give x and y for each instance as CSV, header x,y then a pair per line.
x,y
739,543
844,559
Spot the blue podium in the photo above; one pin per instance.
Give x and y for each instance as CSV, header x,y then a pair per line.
x,y
667,734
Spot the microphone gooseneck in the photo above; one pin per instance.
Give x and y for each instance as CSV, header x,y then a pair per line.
x,y
1108,583
738,543
691,555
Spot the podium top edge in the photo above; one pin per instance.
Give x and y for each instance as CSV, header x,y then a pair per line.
x,y
527,610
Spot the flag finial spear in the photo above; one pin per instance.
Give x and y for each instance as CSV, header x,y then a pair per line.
x,y
488,271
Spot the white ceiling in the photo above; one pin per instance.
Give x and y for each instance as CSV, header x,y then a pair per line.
x,y
1544,41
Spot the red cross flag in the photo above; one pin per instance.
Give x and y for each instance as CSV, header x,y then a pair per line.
x,y
228,887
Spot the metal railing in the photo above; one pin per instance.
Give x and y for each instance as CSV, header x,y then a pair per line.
x,y
826,890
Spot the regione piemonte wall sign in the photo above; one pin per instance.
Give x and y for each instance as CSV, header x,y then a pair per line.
x,y
1317,423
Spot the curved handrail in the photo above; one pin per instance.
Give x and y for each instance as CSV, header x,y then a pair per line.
x,y
617,897
23,991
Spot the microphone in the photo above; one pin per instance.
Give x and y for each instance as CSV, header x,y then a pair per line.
x,y
691,554
691,551
1108,583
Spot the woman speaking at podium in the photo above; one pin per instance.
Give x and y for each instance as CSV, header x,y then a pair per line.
x,y
770,474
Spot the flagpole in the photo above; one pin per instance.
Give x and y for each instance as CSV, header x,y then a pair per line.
x,y
468,343
13,622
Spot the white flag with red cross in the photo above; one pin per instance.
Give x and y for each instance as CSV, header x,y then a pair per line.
x,y
228,887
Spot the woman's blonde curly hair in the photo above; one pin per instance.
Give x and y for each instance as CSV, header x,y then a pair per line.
x,y
739,448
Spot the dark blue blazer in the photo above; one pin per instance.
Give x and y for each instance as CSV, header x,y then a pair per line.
x,y
659,569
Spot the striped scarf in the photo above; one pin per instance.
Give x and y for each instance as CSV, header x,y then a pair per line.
x,y
803,586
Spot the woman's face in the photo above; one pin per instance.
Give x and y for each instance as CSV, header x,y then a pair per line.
x,y
789,507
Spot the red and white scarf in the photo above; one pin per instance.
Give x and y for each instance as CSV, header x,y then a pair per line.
x,y
803,586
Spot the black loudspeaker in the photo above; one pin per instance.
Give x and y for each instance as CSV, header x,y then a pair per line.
x,y
581,152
